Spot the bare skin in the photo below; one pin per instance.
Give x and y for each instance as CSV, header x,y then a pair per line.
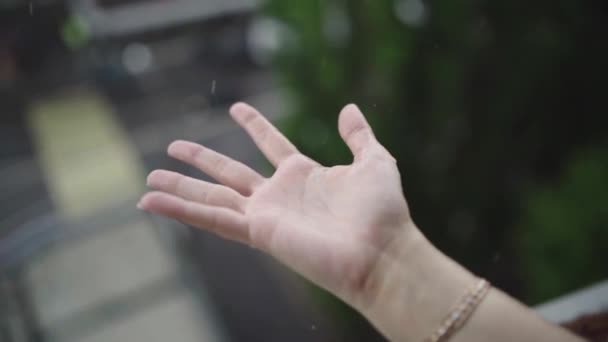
x,y
347,228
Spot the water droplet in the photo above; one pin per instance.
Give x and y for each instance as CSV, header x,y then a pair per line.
x,y
213,83
313,327
31,8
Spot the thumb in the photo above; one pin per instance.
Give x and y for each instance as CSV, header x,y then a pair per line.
x,y
354,130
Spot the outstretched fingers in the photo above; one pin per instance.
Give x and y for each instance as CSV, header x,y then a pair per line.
x,y
196,190
222,221
275,146
225,170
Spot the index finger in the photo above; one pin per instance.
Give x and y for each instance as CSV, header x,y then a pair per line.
x,y
275,146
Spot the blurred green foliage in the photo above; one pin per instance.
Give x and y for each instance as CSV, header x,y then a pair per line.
x,y
489,107
566,228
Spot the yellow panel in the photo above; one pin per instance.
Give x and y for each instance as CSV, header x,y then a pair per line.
x,y
86,155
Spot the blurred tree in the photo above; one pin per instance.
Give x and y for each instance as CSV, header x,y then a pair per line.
x,y
566,228
479,101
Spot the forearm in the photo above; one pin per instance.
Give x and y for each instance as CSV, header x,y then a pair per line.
x,y
415,286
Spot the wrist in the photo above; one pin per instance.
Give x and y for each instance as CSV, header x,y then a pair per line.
x,y
412,287
408,245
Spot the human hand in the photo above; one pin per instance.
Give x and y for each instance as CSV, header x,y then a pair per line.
x,y
346,228
331,224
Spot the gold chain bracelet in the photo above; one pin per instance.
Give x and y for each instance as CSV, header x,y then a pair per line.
x,y
459,315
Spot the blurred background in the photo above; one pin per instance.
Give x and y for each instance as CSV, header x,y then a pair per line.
x,y
495,111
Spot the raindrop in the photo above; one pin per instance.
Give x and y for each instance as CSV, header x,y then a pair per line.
x,y
213,83
313,327
31,8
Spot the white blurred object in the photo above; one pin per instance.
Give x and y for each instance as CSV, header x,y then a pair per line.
x,y
137,58
590,300
411,12
266,36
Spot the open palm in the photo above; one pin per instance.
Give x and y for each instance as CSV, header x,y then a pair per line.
x,y
331,224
